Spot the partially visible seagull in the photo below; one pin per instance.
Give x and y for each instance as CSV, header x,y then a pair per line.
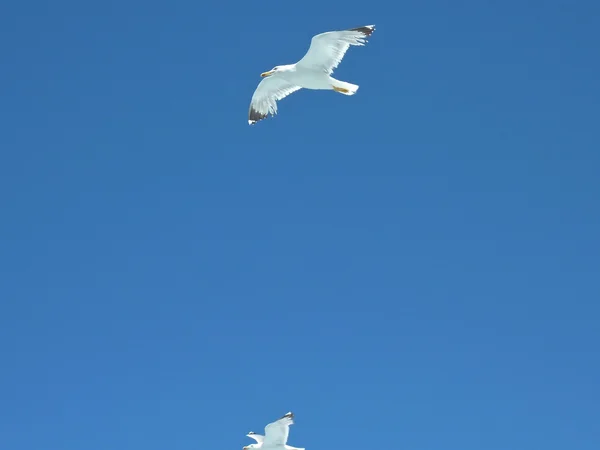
x,y
313,71
276,435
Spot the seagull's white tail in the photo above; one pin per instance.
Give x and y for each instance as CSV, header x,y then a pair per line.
x,y
344,88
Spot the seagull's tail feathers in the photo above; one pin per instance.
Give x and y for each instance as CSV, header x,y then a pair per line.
x,y
343,88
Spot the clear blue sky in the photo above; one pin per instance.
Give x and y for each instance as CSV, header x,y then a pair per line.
x,y
416,267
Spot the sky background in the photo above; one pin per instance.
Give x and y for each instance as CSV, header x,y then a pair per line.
x,y
415,267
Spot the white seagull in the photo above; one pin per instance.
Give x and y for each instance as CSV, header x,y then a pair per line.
x,y
276,435
313,71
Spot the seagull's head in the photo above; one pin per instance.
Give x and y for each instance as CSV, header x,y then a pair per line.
x,y
270,72
251,446
278,69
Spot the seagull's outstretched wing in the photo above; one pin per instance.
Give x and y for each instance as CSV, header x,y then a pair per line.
x,y
264,100
276,433
257,437
328,49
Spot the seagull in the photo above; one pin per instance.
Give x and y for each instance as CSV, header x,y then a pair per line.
x,y
276,435
313,71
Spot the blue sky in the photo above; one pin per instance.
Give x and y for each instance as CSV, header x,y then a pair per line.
x,y
414,267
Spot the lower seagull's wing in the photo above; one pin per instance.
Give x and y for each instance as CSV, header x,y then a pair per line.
x,y
264,100
328,49
276,433
257,437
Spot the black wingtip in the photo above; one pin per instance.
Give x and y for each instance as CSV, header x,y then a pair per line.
x,y
367,30
254,116
290,415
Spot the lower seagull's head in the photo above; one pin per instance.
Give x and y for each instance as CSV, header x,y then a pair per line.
x,y
276,69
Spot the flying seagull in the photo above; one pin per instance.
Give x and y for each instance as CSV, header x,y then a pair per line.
x,y
276,435
313,71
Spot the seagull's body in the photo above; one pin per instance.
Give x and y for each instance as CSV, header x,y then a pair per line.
x,y
276,435
313,71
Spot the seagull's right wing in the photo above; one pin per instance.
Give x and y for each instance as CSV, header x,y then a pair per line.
x,y
276,433
264,100
328,49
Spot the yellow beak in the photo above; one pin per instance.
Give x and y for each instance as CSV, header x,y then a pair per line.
x,y
266,74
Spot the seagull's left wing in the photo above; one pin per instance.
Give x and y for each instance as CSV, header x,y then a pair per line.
x,y
257,437
276,433
264,100
328,49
